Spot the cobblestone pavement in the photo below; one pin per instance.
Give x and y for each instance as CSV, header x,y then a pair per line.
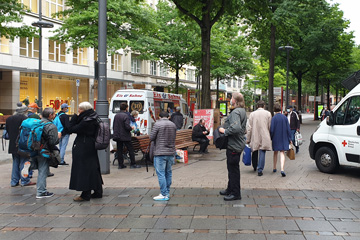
x,y
306,204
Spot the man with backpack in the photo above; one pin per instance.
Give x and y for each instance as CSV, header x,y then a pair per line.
x,y
49,138
64,120
32,113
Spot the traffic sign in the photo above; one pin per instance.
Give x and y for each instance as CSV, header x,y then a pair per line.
x,y
77,82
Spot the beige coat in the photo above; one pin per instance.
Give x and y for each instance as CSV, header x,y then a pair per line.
x,y
258,130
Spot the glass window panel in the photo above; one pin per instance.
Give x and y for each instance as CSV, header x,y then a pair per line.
x,y
34,6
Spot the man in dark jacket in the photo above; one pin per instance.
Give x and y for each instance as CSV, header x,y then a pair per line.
x,y
294,122
163,134
64,119
12,127
235,129
122,136
199,135
177,118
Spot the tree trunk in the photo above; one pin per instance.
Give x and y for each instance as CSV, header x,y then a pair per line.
x,y
299,108
316,116
217,92
177,81
205,65
272,69
328,94
337,95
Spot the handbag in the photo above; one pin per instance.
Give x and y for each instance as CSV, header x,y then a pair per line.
x,y
298,139
220,140
247,155
291,153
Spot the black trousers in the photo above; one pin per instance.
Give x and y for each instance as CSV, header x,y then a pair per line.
x,y
255,159
232,162
120,145
204,142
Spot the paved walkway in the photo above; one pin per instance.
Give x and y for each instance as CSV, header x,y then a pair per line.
x,y
306,204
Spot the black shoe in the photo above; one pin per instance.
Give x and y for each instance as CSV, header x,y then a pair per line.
x,y
63,164
50,175
224,192
231,198
283,174
135,166
121,167
96,195
260,174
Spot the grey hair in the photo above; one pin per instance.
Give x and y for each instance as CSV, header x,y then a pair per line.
x,y
85,106
47,112
239,100
134,113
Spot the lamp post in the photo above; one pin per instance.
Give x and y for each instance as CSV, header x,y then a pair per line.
x,y
287,49
41,24
255,81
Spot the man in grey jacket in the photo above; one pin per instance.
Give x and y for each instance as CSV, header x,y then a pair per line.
x,y
163,134
234,128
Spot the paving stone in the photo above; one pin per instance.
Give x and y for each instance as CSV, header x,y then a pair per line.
x,y
102,223
52,209
115,210
258,192
134,191
167,236
207,236
292,193
67,222
317,194
317,237
356,213
319,226
284,237
127,236
351,238
269,201
137,223
173,223
279,224
21,208
273,212
245,236
10,235
244,224
355,204
182,211
337,214
14,199
322,202
346,226
84,209
147,210
297,202
216,210
5,220
241,211
210,200
48,235
206,223
303,212
88,235
188,191
31,222
347,195
183,200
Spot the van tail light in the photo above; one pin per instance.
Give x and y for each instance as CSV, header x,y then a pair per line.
x,y
145,123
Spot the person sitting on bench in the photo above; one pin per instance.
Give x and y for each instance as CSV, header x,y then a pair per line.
x,y
199,135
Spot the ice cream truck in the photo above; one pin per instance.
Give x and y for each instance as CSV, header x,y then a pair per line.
x,y
148,104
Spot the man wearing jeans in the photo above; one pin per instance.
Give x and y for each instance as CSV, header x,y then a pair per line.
x,y
163,134
63,142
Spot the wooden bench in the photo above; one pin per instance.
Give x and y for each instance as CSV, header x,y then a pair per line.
x,y
184,139
3,120
139,143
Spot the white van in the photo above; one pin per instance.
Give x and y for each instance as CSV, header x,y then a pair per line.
x,y
148,104
337,139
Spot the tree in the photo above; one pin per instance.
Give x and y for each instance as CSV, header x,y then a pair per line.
x,y
206,13
11,11
171,40
126,21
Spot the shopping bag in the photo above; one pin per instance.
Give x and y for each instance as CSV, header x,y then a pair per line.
x,y
183,156
298,139
291,153
247,155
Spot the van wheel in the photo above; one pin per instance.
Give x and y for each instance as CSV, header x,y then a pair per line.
x,y
326,160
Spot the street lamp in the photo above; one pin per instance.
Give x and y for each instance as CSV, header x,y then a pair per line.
x,y
255,81
41,24
287,49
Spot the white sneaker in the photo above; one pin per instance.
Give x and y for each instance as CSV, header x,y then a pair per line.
x,y
25,170
161,198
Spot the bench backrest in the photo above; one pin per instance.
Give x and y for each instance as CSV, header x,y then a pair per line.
x,y
183,136
3,118
140,142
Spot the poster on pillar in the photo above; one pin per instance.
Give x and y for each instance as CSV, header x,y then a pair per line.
x,y
208,116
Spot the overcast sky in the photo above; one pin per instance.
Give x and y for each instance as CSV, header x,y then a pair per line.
x,y
351,12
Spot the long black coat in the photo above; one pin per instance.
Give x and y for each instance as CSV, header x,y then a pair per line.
x,y
85,169
121,127
13,124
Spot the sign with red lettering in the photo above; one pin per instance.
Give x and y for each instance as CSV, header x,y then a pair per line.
x,y
208,116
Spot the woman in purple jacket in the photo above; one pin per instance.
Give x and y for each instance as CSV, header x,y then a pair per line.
x,y
281,137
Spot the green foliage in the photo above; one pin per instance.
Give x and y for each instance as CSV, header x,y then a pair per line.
x,y
248,94
11,11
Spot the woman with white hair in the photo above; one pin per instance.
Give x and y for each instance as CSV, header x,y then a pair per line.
x,y
85,169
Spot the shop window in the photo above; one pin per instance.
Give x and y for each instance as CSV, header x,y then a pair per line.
x,y
116,106
4,45
57,51
234,83
32,5
137,106
164,71
153,68
116,62
52,7
29,47
80,56
135,65
190,75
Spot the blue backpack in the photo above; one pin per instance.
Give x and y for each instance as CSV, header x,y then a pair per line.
x,y
58,123
29,139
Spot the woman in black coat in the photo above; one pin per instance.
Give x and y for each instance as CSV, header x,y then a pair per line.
x,y
85,169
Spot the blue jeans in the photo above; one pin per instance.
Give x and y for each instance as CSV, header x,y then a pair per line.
x,y
261,163
18,165
43,169
63,142
162,166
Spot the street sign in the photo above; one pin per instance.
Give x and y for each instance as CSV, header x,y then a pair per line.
x,y
277,91
311,98
318,98
78,82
